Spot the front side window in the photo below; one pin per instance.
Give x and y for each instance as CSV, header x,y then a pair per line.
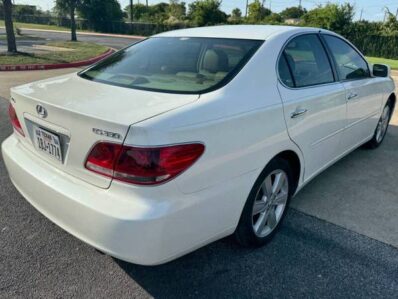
x,y
308,61
350,65
174,64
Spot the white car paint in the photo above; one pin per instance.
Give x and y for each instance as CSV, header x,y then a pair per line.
x,y
243,125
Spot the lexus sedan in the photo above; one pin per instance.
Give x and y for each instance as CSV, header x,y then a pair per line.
x,y
193,135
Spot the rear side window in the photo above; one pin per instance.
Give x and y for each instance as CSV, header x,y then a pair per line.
x,y
350,65
308,61
175,64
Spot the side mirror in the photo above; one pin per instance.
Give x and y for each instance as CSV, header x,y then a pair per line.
x,y
381,70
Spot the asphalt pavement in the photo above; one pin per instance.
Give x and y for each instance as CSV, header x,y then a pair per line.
x,y
332,255
46,36
309,258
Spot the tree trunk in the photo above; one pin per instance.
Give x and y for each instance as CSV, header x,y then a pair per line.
x,y
73,24
12,45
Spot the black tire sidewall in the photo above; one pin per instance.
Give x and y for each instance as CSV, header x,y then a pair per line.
x,y
244,232
373,143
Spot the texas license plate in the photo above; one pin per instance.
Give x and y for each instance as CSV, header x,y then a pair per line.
x,y
47,142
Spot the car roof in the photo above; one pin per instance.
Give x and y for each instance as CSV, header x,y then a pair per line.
x,y
257,32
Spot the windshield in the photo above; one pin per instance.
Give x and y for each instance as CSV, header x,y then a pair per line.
x,y
175,64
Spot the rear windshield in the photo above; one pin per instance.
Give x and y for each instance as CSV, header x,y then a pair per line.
x,y
176,65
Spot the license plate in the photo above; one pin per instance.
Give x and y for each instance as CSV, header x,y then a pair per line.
x,y
47,142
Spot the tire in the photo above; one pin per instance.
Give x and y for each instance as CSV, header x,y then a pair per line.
x,y
382,127
261,208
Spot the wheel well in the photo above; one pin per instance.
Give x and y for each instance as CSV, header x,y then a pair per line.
x,y
294,161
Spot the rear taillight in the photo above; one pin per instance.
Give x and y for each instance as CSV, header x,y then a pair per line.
x,y
14,120
142,166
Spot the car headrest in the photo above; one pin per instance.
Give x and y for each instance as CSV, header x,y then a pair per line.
x,y
215,61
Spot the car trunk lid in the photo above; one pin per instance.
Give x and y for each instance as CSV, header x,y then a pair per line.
x,y
78,113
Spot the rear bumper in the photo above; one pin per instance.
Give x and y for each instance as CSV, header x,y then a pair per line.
x,y
120,221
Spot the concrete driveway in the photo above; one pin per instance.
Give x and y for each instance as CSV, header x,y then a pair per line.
x,y
360,192
327,248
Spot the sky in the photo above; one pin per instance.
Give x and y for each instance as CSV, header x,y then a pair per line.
x,y
372,10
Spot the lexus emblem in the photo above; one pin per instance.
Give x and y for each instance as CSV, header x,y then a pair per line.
x,y
41,111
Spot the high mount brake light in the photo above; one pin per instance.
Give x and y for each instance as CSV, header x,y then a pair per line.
x,y
142,166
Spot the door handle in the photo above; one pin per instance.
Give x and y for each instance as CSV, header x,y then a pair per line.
x,y
298,113
352,95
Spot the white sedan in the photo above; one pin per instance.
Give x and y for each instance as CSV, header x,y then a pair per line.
x,y
193,135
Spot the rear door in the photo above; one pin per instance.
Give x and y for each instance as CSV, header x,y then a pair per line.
x,y
363,93
314,103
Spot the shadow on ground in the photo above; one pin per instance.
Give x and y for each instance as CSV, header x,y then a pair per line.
x,y
307,258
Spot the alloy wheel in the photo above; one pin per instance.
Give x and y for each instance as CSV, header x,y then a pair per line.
x,y
270,203
383,124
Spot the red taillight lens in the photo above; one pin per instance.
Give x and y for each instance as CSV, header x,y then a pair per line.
x,y
14,120
142,166
102,158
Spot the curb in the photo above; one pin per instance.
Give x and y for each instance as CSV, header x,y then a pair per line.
x,y
40,67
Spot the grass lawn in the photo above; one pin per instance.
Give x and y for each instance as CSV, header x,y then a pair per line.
x,y
81,51
391,62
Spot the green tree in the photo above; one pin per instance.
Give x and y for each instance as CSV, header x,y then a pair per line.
x,y
235,17
331,16
101,14
140,12
11,43
68,7
157,13
177,9
206,12
257,12
24,10
293,12
236,13
273,18
390,27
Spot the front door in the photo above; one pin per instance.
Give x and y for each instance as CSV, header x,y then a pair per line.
x,y
364,96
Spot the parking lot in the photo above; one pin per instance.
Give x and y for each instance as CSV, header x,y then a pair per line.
x,y
339,240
